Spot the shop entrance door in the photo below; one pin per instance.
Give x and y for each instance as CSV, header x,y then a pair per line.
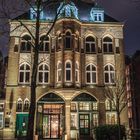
x,y
51,126
84,124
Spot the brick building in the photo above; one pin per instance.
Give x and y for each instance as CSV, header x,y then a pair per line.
x,y
83,53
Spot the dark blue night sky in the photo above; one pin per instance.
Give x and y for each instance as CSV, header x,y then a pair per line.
x,y
126,11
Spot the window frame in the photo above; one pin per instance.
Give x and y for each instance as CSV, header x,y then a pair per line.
x,y
43,72
108,43
91,72
46,41
24,72
68,69
68,38
19,105
109,73
90,43
27,42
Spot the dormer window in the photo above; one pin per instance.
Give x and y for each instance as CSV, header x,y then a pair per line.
x,y
33,13
97,14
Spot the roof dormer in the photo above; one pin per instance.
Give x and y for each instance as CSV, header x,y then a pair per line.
x,y
97,14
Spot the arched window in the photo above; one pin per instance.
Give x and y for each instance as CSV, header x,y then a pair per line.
x,y
68,40
25,44
107,45
91,74
24,73
19,105
68,74
43,74
76,72
90,45
26,105
44,44
109,74
59,72
107,104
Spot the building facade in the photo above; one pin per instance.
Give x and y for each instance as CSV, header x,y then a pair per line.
x,y
81,56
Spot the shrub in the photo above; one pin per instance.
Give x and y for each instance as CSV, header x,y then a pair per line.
x,y
109,132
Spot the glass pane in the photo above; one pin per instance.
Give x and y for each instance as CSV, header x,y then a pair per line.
x,y
106,77
27,67
46,77
41,67
68,65
27,76
21,76
93,77
88,77
40,77
90,38
105,48
93,47
68,75
46,46
87,47
110,48
88,68
68,42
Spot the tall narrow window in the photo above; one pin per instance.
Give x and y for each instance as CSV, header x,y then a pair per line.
x,y
59,72
90,45
107,45
59,42
26,105
44,44
91,74
19,105
76,72
68,40
1,120
109,74
43,74
68,71
25,44
24,73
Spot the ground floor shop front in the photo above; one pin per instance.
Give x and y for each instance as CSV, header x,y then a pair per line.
x,y
57,118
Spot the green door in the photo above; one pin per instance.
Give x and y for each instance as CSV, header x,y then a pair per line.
x,y
84,124
21,125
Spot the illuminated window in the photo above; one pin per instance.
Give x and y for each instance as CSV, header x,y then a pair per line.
x,y
90,45
77,72
19,105
25,45
68,73
95,106
97,14
84,106
67,10
43,74
107,45
110,105
111,118
44,44
95,119
91,74
33,13
24,73
59,72
109,74
26,105
68,40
